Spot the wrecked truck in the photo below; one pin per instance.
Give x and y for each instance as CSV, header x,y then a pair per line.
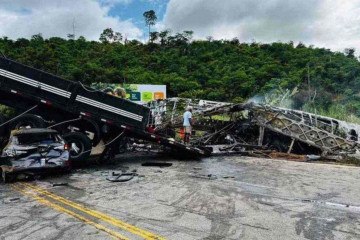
x,y
84,116
34,152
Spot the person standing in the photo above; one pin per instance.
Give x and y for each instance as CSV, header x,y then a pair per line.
x,y
187,124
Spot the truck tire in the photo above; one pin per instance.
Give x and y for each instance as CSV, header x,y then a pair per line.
x,y
123,145
7,177
28,121
80,146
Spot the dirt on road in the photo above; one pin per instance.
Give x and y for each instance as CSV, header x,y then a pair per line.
x,y
229,197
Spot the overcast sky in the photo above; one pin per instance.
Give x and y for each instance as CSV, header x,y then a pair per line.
x,y
332,24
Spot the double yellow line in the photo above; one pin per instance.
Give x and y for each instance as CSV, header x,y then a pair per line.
x,y
45,197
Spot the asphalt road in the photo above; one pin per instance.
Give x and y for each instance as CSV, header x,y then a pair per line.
x,y
244,198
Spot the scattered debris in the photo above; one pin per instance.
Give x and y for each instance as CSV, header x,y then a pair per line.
x,y
335,157
313,157
60,184
121,177
288,156
203,176
156,164
226,177
10,200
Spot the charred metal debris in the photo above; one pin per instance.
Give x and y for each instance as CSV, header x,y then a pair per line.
x,y
257,130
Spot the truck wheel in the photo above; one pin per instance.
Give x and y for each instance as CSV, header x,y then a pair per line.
x,y
123,145
80,146
28,121
7,177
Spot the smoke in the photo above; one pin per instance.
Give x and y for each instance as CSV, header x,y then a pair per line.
x,y
277,97
300,100
258,99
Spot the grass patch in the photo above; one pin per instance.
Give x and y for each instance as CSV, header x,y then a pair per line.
x,y
6,111
336,111
350,160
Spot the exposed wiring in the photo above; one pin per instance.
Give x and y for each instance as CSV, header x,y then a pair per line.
x,y
107,144
3,124
86,89
90,90
114,139
67,121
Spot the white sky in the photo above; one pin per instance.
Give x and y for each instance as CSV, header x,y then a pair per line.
x,y
333,24
24,18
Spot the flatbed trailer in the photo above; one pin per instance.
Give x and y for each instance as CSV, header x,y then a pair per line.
x,y
75,110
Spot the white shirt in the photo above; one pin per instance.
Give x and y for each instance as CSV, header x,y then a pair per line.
x,y
187,117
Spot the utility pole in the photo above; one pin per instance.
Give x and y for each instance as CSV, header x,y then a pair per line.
x,y
308,79
126,39
73,27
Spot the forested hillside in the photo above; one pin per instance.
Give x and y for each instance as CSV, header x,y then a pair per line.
x,y
209,69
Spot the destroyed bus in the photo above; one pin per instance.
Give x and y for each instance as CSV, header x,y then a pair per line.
x,y
257,129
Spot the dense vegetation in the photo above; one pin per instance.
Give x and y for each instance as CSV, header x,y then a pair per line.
x,y
226,70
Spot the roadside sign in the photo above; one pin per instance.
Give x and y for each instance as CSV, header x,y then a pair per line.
x,y
139,93
135,96
147,96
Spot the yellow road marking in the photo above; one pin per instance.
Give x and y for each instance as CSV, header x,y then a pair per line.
x,y
75,215
106,218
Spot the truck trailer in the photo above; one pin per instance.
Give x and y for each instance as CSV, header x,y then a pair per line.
x,y
84,116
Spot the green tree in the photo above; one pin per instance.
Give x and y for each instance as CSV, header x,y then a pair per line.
x,y
37,37
71,36
154,36
109,36
223,70
150,19
350,52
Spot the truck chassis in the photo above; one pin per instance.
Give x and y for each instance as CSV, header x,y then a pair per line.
x,y
81,114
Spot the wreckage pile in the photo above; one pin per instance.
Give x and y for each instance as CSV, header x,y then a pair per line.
x,y
257,129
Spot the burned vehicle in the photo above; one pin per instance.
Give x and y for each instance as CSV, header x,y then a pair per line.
x,y
34,152
257,129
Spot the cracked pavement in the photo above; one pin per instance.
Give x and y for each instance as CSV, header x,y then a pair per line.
x,y
246,198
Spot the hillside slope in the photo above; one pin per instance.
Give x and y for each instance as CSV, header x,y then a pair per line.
x,y
214,70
